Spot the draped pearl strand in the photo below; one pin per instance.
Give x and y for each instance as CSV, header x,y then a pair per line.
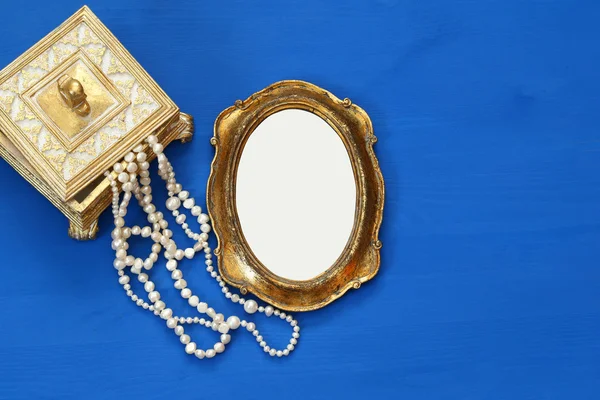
x,y
134,176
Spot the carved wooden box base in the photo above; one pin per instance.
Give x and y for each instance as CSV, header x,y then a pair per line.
x,y
85,208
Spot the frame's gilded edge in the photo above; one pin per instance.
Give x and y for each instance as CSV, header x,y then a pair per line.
x,y
360,260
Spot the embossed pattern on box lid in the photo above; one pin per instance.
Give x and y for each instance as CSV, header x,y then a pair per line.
x,y
68,148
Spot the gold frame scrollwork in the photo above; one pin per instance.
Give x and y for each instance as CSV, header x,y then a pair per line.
x,y
238,265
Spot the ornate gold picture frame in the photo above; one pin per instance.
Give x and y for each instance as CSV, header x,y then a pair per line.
x,y
360,259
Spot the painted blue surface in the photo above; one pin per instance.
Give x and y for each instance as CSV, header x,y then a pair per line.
x,y
489,141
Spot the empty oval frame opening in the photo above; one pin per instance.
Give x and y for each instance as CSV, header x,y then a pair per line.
x,y
296,194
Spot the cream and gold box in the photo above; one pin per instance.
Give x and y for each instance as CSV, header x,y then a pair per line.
x,y
73,105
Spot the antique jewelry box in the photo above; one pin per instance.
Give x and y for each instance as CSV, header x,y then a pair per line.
x,y
72,106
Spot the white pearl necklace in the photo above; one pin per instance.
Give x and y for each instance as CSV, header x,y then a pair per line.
x,y
135,179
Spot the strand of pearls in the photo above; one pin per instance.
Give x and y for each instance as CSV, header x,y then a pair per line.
x,y
134,176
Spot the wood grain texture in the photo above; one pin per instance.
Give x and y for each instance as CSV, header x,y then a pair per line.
x,y
489,141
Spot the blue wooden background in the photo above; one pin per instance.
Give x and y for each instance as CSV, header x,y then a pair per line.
x,y
489,288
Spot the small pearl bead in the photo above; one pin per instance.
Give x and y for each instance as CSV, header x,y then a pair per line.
x,y
171,323
189,203
123,177
225,338
250,326
210,353
171,265
186,293
173,203
223,328
202,307
194,301
272,352
250,306
166,313
153,296
233,322
203,218
176,275
159,305
184,339
190,348
149,287
205,228
157,148
200,354
219,347
268,311
179,330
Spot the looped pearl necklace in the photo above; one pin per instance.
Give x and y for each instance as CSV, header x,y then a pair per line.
x,y
134,176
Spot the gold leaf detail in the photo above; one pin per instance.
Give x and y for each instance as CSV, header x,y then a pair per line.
x,y
70,38
87,147
34,129
61,53
41,62
140,114
32,132
30,77
125,87
96,53
107,139
75,165
56,160
6,102
115,67
24,113
51,144
118,122
11,85
88,37
143,97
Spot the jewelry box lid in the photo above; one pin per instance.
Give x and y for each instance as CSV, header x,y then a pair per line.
x,y
77,101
